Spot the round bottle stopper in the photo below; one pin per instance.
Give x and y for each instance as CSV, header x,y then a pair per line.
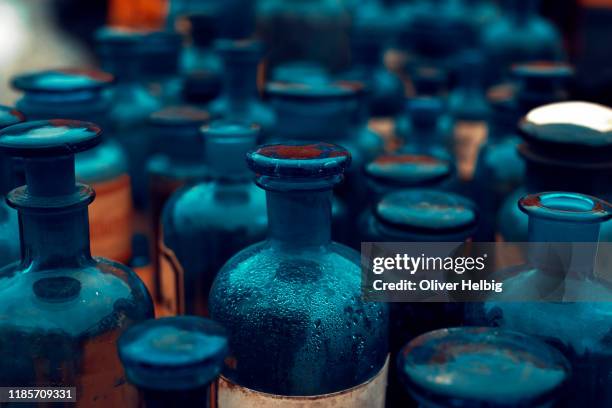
x,y
474,366
296,165
48,148
426,211
10,116
408,170
68,80
569,207
173,353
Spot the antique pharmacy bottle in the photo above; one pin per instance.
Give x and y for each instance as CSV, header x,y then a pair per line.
x,y
121,54
239,98
419,215
370,35
422,129
63,310
482,367
577,326
9,226
201,67
225,214
519,35
500,170
83,95
179,160
174,361
331,111
470,111
298,327
566,147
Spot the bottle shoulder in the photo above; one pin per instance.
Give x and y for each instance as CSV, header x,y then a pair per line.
x,y
96,297
213,205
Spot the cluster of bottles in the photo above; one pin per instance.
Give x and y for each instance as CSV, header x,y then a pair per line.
x,y
460,138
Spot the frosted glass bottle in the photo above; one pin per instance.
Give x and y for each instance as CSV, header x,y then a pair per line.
x,y
225,214
298,327
62,310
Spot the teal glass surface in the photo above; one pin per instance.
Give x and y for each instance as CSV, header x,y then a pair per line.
x,y
178,160
482,367
563,159
9,226
419,215
579,329
132,103
500,170
239,99
62,310
292,304
334,112
519,35
174,360
224,214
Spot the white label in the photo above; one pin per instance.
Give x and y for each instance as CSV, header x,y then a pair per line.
x,y
370,394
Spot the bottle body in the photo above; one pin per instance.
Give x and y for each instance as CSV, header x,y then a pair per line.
x,y
225,218
9,229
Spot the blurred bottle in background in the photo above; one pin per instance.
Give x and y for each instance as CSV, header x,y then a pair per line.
x,y
239,99
520,35
9,225
84,95
223,215
120,53
178,160
174,361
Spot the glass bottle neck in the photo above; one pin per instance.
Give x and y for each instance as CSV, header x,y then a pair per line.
x,y
54,239
199,397
240,82
299,219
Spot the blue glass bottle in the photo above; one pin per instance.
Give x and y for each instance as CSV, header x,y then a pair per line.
x,y
160,53
334,112
62,310
561,152
84,95
292,304
120,54
423,128
179,160
226,214
370,35
201,67
239,98
500,170
579,329
519,35
9,226
174,361
470,111
481,367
